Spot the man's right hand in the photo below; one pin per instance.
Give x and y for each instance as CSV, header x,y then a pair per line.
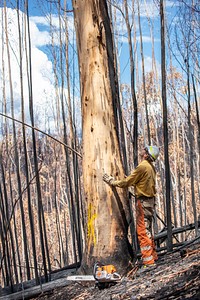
x,y
108,179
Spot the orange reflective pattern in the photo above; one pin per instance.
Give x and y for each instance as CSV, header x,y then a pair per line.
x,y
146,241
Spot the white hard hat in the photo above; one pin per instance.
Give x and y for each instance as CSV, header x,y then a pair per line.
x,y
153,152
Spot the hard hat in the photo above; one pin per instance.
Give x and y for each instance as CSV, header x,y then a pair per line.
x,y
153,152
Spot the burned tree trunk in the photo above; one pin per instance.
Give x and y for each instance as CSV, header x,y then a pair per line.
x,y
107,209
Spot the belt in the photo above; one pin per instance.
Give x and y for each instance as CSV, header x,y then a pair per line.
x,y
145,198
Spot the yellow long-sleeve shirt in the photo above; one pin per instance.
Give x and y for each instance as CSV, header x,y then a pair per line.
x,y
143,179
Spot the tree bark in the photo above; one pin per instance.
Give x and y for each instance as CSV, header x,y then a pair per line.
x,y
165,129
133,93
107,209
143,77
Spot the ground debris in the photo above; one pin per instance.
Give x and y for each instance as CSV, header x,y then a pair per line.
x,y
175,277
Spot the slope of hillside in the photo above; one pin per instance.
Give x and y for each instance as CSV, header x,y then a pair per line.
x,y
177,276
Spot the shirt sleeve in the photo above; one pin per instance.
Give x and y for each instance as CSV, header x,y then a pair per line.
x,y
130,180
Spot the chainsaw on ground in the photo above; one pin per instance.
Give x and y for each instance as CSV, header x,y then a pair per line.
x,y
104,276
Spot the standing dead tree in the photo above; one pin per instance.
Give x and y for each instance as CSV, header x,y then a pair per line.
x,y
107,210
165,127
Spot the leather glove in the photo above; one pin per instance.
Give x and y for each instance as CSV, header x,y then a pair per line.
x,y
108,179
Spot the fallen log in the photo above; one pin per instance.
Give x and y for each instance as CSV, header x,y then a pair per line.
x,y
55,274
188,252
37,290
177,230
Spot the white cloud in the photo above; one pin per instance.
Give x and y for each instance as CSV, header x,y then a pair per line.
x,y
148,64
43,23
40,33
39,20
147,39
39,38
42,71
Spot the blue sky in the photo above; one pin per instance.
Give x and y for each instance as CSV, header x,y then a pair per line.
x,y
124,57
149,8
43,85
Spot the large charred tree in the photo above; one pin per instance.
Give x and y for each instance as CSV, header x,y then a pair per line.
x,y
107,209
165,129
143,76
133,93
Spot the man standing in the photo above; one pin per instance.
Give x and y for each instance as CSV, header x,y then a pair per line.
x,y
143,179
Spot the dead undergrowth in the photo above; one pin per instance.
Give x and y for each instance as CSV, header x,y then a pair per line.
x,y
177,276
